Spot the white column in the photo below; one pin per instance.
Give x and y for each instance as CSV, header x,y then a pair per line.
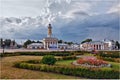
x,y
47,45
98,47
102,47
44,44
57,44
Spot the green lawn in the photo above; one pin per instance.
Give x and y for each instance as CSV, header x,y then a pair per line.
x,y
115,65
65,62
10,72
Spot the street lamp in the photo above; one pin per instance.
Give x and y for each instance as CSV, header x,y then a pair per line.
x,y
3,46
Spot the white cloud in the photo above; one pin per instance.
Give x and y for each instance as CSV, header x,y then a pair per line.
x,y
115,8
77,8
61,13
83,6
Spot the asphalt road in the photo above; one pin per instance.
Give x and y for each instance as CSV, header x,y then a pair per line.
x,y
28,50
34,50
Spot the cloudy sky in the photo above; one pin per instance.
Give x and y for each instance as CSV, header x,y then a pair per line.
x,y
72,20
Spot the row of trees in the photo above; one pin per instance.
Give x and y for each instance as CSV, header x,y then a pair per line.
x,y
7,42
87,40
61,41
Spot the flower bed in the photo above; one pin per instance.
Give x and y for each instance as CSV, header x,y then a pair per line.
x,y
91,62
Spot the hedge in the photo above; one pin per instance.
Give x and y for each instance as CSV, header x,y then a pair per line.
x,y
66,53
55,53
46,53
9,54
109,59
70,70
114,54
33,61
69,57
80,52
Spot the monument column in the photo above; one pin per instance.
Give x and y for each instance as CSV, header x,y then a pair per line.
x,y
49,30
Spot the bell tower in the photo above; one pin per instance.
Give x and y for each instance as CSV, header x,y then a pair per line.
x,y
49,30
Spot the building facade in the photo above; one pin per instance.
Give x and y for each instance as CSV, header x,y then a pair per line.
x,y
63,46
98,45
50,42
35,46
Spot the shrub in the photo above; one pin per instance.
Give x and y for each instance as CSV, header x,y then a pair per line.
x,y
8,54
17,64
57,53
80,52
110,59
68,70
34,61
46,53
69,57
48,59
112,54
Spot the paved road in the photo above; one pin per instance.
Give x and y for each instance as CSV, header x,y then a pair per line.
x,y
28,50
32,50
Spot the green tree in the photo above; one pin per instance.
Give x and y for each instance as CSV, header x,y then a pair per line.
x,y
7,42
1,42
117,44
87,40
38,42
60,41
27,43
48,59
33,42
69,43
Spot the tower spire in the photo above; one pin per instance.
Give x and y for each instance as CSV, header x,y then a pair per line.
x,y
49,30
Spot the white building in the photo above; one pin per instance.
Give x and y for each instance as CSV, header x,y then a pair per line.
x,y
98,45
13,45
35,46
50,42
75,46
111,44
62,46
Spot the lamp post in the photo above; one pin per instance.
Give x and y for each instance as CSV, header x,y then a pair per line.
x,y
3,45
